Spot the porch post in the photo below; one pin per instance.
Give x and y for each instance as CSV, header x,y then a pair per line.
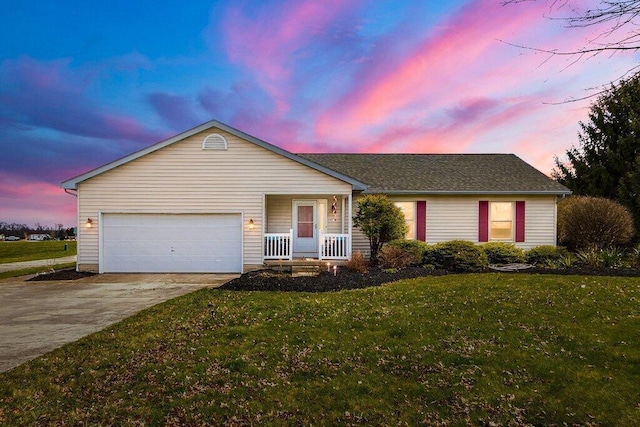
x,y
264,225
350,222
342,216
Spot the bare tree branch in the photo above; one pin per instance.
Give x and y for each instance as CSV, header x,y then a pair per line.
x,y
621,21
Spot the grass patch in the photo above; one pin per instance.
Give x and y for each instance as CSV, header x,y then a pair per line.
x,y
29,251
470,349
35,270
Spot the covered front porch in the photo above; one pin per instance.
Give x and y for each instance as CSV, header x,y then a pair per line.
x,y
313,227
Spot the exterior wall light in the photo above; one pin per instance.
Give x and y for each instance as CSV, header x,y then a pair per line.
x,y
251,224
89,223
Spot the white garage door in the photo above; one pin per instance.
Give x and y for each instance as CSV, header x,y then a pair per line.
x,y
152,243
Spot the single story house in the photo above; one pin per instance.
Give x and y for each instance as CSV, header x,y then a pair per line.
x,y
215,199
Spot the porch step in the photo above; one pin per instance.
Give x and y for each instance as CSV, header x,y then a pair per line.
x,y
301,267
305,270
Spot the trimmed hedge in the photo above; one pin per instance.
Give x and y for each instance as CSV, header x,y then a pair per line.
x,y
503,253
456,255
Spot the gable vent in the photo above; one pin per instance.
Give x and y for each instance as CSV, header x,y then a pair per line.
x,y
214,141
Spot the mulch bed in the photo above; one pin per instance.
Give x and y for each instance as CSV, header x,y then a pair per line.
x,y
66,274
270,280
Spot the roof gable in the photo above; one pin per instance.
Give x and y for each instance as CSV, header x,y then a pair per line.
x,y
390,173
442,173
72,184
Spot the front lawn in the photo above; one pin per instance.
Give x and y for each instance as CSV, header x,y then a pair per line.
x,y
489,349
28,251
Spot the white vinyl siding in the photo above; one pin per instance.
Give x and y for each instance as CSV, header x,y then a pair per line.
x,y
183,178
456,218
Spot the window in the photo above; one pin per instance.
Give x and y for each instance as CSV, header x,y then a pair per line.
x,y
501,220
214,142
409,211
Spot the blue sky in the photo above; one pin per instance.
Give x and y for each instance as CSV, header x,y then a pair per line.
x,y
84,83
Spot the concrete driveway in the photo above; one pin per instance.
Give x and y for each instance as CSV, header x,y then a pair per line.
x,y
37,317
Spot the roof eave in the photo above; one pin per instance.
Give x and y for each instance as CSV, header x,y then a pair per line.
x,y
474,192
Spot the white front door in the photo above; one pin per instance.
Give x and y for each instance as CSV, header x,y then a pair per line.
x,y
305,233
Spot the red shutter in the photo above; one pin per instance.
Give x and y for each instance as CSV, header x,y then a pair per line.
x,y
421,220
520,221
483,221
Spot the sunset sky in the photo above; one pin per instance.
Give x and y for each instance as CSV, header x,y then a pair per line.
x,y
83,83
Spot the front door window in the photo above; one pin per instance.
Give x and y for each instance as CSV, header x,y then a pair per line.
x,y
305,221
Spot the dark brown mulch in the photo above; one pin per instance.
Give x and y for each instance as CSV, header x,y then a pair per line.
x,y
66,274
270,280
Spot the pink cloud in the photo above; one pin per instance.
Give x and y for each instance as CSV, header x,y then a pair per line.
x,y
433,69
269,43
30,202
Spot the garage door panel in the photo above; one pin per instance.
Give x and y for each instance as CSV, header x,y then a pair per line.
x,y
172,243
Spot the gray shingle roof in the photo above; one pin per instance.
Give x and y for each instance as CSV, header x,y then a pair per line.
x,y
441,173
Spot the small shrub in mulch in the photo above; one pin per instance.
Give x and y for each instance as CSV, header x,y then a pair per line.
x,y
67,274
269,280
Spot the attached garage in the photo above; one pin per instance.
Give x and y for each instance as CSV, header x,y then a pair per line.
x,y
171,243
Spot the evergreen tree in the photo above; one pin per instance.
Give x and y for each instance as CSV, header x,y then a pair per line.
x,y
607,162
380,220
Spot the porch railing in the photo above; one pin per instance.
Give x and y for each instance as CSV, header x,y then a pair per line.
x,y
278,245
334,246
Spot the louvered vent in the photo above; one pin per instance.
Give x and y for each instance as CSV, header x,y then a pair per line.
x,y
214,142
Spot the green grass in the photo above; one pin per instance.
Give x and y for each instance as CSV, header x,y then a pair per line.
x,y
460,349
29,251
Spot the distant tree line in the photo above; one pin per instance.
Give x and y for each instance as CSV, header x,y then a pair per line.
x,y
58,231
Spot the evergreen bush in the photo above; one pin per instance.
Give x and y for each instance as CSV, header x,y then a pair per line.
x,y
503,253
457,255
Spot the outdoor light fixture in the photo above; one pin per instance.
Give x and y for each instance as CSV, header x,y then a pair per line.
x,y
89,223
251,224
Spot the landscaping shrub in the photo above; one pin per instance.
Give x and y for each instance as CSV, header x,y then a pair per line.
x,y
414,248
457,255
380,220
356,263
585,222
613,257
502,253
608,258
567,260
392,257
590,257
634,258
545,254
428,256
